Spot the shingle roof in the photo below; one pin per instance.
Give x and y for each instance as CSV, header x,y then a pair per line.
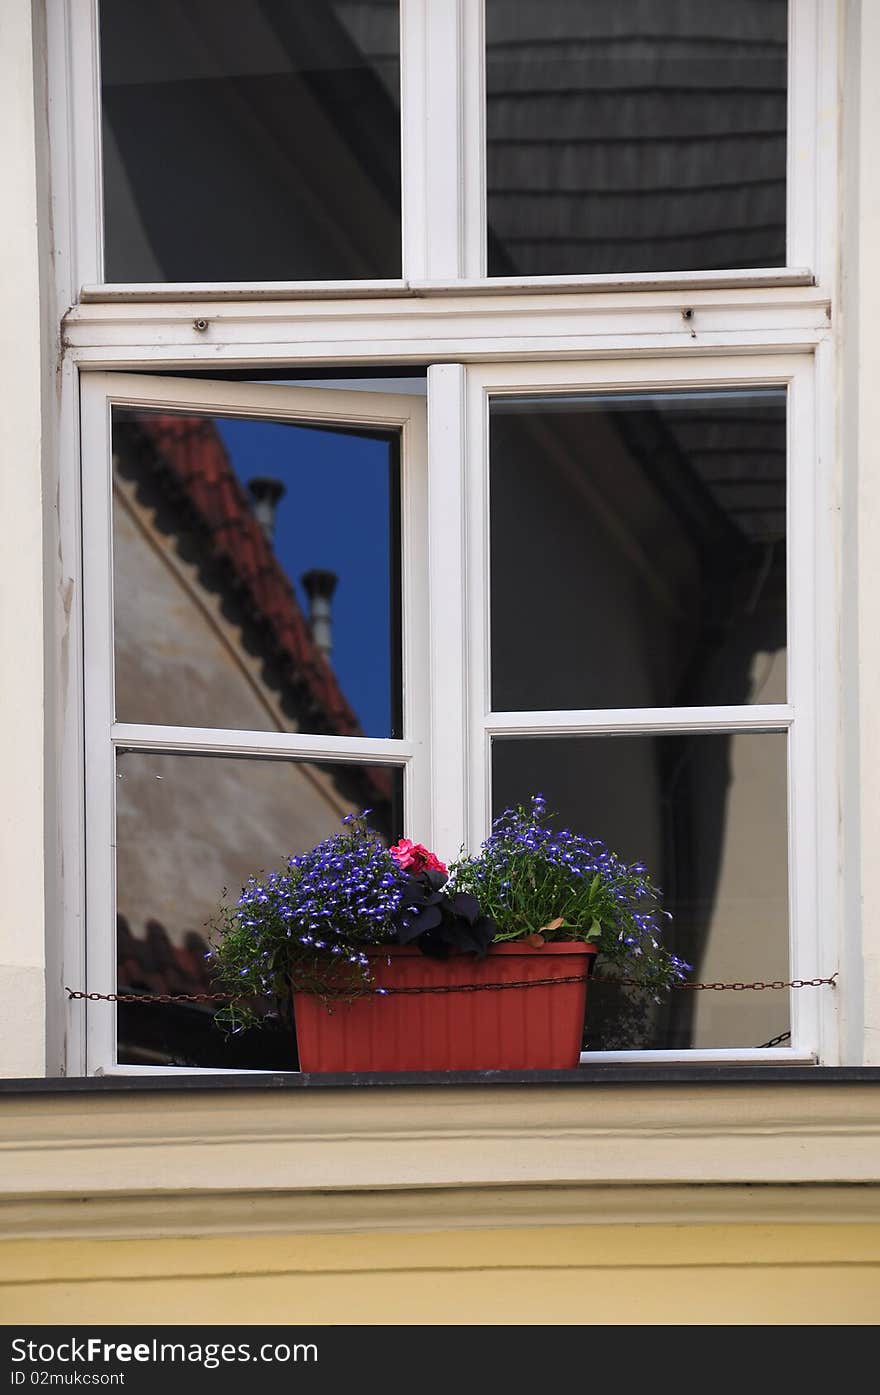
x,y
635,136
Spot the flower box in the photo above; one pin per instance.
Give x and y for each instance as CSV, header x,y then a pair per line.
x,y
481,1028
397,963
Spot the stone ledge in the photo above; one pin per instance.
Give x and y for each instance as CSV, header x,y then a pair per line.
x,y
393,1138
417,1209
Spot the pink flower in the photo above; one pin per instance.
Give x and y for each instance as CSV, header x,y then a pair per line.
x,y
415,858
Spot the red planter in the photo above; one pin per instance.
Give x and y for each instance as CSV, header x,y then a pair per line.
x,y
526,1028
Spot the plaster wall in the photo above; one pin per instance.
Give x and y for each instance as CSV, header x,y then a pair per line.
x,y
22,834
861,453
151,1270
599,1276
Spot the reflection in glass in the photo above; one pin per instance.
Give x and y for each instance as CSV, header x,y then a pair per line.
x,y
707,815
638,550
635,137
251,142
188,827
256,574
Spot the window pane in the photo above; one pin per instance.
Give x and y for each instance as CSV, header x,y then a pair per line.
x,y
707,816
638,546
257,576
625,136
186,828
251,142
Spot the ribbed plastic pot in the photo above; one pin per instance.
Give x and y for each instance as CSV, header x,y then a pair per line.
x,y
538,1027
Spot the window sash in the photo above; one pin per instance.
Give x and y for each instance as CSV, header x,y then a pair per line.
x,y
811,622
443,192
104,736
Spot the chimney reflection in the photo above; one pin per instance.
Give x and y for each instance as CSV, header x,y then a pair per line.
x,y
319,587
266,494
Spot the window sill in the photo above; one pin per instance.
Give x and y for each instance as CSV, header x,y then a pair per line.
x,y
611,1073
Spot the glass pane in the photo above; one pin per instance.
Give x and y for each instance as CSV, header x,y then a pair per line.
x,y
188,827
638,546
627,137
707,815
251,142
257,575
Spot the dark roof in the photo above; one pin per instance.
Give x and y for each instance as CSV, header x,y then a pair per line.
x,y
636,136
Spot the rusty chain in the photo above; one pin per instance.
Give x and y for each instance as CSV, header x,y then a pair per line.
x,y
717,987
149,998
775,1041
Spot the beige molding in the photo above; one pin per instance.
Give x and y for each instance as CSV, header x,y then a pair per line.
x,y
303,1141
418,1209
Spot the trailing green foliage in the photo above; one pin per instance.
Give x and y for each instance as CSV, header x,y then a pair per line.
x,y
543,884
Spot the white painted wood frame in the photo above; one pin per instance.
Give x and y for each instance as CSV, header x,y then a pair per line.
x,y
443,179
477,336
400,413
813,624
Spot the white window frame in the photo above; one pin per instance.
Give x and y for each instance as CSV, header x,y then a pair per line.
x,y
404,414
478,335
443,183
811,621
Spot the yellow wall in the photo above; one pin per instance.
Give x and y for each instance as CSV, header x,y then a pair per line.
x,y
575,1274
608,1203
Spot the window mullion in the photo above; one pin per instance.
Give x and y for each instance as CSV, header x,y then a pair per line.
x,y
473,111
806,661
447,611
831,713
478,695
100,832
413,137
441,159
415,628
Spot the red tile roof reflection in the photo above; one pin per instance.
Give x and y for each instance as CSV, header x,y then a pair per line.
x,y
154,964
192,450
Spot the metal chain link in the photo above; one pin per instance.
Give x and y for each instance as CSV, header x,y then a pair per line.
x,y
717,987
73,993
775,1041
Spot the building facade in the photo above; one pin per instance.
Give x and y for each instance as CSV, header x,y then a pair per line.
x,y
415,404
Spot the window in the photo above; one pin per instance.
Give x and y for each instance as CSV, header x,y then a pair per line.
x,y
250,142
629,653
232,697
566,447
634,138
